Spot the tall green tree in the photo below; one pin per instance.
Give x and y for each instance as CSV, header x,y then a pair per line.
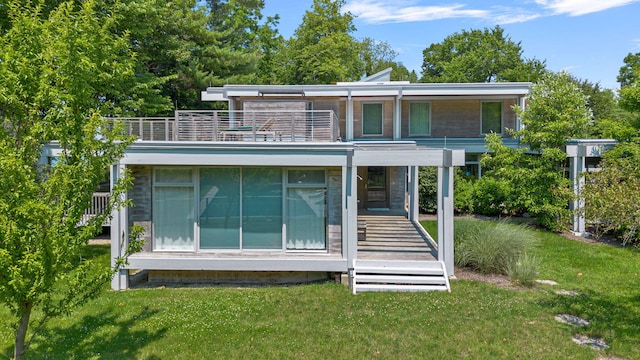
x,y
629,79
487,55
176,53
515,181
322,49
249,42
379,55
556,112
612,195
57,73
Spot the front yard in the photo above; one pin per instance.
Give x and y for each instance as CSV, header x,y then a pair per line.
x,y
325,321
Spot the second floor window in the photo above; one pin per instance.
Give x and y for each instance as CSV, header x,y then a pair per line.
x,y
419,119
372,119
491,117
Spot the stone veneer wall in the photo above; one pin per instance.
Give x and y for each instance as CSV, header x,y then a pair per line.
x,y
334,216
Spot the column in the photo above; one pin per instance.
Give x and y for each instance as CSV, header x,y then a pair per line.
x,y
445,211
119,233
414,196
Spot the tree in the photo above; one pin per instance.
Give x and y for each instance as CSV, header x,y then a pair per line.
x,y
322,49
515,181
629,79
58,72
249,44
612,195
557,111
379,55
479,56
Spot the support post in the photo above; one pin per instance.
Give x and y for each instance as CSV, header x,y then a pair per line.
x,y
351,202
119,234
414,196
349,120
445,211
577,163
397,116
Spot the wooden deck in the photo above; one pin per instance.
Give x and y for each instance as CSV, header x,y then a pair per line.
x,y
393,237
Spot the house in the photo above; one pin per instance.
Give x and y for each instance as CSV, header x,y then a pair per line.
x,y
299,182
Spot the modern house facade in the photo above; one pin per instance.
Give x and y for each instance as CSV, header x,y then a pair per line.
x,y
295,181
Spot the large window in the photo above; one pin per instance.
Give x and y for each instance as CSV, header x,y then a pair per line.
x,y
239,208
372,119
491,117
173,207
262,208
219,208
419,119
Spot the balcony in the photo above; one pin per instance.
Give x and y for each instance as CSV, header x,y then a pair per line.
x,y
237,125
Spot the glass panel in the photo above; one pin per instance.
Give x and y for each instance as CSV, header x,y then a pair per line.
x,y
173,218
377,178
306,177
173,175
220,208
306,220
419,119
262,208
372,119
491,117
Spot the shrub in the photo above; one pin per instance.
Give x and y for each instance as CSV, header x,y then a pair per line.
x,y
428,189
463,193
489,196
524,271
491,247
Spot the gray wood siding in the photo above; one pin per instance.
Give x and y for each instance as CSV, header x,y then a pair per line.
x,y
387,119
458,118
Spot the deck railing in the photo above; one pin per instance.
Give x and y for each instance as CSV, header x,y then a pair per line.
x,y
237,125
98,205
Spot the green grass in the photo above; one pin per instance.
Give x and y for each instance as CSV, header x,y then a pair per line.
x,y
324,321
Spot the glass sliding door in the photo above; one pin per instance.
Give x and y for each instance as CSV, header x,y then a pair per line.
x,y
173,209
306,221
306,209
262,208
219,208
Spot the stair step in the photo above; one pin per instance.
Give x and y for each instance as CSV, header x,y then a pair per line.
x,y
405,288
402,279
361,271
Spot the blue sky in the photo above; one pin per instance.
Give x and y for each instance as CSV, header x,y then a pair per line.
x,y
588,38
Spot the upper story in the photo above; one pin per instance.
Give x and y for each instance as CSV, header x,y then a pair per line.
x,y
374,109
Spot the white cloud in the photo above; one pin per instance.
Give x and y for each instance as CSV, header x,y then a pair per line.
x,y
381,11
375,11
581,7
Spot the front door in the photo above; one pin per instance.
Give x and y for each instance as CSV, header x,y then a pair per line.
x,y
376,187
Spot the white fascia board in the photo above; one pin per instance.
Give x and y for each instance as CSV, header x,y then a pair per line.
x,y
416,157
464,92
235,159
212,96
202,154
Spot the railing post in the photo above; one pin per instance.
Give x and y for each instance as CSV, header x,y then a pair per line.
x,y
293,127
176,119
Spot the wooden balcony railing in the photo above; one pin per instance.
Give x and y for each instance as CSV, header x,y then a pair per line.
x,y
237,125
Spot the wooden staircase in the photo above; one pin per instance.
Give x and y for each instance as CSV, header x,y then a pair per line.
x,y
394,256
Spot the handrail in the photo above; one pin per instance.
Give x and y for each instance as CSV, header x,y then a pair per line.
x,y
237,125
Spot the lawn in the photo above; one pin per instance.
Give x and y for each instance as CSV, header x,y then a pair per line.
x,y
325,321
